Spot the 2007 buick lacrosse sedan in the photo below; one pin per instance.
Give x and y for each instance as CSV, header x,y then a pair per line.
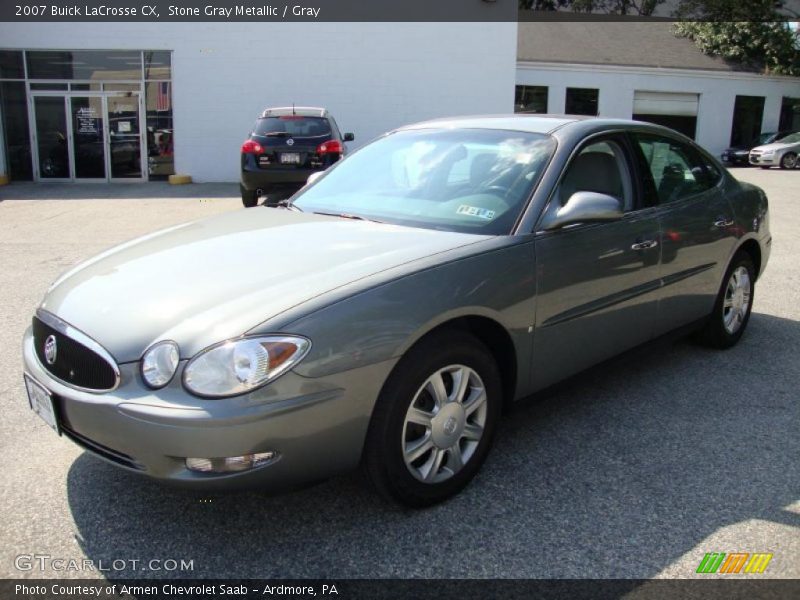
x,y
387,313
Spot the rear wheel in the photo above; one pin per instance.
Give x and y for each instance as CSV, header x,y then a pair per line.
x,y
789,161
433,424
734,302
249,198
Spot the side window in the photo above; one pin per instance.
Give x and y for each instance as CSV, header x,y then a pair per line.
x,y
678,170
599,167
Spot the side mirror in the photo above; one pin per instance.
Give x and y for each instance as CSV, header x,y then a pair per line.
x,y
314,176
585,207
349,137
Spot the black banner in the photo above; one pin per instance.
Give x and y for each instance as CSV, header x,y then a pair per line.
x,y
387,10
734,588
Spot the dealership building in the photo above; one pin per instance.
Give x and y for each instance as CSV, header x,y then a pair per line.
x,y
127,102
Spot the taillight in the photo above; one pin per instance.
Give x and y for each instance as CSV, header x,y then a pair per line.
x,y
331,147
251,147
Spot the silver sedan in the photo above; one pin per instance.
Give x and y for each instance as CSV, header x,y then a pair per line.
x,y
385,314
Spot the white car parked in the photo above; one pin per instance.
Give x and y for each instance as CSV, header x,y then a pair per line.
x,y
781,154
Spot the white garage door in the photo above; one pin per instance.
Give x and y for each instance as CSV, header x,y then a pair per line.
x,y
665,103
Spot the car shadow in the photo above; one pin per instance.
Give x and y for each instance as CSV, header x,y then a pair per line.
x,y
111,191
616,474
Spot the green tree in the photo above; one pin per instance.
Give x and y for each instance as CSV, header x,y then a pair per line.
x,y
768,46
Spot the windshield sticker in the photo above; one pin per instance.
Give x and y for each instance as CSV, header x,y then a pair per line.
x,y
475,211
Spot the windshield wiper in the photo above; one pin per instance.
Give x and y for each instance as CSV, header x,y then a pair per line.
x,y
347,216
276,134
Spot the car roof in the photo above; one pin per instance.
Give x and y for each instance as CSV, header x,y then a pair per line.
x,y
532,123
300,111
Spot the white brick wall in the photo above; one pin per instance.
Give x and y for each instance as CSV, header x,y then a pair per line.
x,y
372,76
717,90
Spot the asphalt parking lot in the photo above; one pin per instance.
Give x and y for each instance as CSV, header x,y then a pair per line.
x,y
633,470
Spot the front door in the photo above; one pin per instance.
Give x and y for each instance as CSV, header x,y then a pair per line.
x,y
597,283
88,138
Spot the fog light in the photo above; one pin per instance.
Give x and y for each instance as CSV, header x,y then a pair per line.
x,y
230,464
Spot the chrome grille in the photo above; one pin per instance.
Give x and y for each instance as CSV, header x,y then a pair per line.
x,y
80,364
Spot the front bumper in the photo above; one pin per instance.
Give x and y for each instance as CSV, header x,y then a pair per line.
x,y
316,426
773,160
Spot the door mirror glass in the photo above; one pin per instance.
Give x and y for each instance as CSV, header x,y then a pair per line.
x,y
313,177
585,207
349,137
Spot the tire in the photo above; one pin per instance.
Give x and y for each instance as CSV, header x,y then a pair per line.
x,y
249,198
436,473
729,319
789,160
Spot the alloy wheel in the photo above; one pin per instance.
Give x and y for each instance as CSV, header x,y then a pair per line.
x,y
444,424
737,299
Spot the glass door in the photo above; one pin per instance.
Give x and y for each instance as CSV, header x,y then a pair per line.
x,y
124,137
52,138
88,139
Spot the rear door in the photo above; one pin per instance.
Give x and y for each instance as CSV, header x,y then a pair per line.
x,y
697,225
597,283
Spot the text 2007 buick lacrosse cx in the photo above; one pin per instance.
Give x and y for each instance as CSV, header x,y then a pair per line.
x,y
385,314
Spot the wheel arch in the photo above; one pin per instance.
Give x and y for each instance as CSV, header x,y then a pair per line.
x,y
753,249
494,336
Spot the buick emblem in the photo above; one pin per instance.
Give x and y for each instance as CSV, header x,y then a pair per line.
x,y
450,426
290,142
50,349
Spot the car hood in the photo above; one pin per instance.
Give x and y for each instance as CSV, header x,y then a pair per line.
x,y
210,280
775,146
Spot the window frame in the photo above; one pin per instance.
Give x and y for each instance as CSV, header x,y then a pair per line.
x,y
646,176
620,137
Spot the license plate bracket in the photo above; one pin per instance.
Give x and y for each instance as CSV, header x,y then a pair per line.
x,y
40,400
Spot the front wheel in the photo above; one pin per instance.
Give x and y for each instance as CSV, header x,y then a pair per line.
x,y
731,313
789,161
433,424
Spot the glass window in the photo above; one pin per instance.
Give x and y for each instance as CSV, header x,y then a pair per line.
x,y
293,126
678,170
84,64
84,87
11,66
530,99
465,180
157,64
581,101
15,127
160,146
122,87
599,167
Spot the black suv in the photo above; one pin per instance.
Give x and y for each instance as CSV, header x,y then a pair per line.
x,y
286,146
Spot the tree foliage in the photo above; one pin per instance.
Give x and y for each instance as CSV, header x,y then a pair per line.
x,y
770,47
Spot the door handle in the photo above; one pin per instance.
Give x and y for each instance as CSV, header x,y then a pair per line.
x,y
645,245
723,222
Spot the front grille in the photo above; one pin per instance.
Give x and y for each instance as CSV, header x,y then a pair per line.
x,y
74,363
109,454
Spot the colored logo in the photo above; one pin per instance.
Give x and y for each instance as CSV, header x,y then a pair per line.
x,y
734,562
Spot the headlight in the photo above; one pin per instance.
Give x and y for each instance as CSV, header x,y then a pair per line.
x,y
159,364
239,366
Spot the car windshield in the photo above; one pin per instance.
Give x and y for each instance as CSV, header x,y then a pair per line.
x,y
292,126
792,138
463,180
